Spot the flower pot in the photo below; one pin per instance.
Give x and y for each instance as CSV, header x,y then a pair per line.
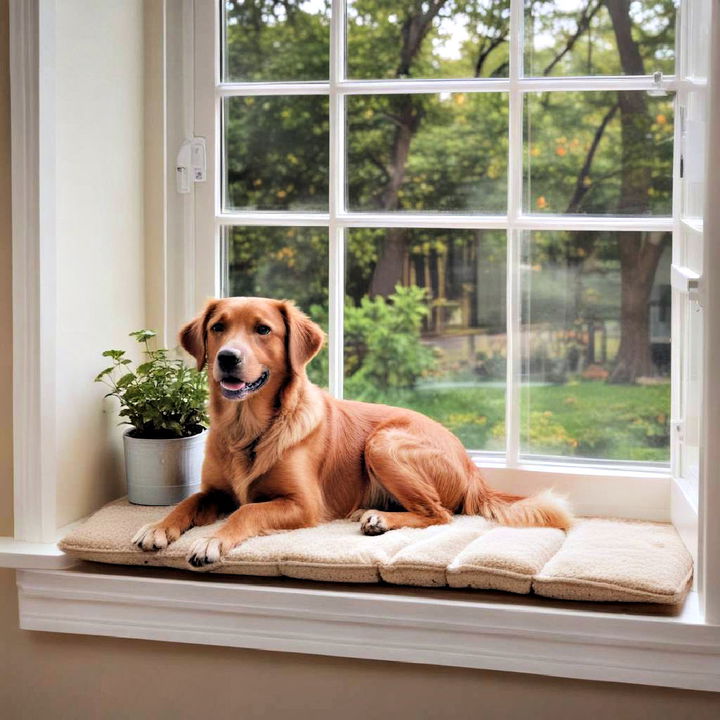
x,y
163,471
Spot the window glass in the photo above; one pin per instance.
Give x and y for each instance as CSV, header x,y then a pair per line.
x,y
599,37
595,340
598,153
425,326
428,152
282,263
264,40
276,153
416,39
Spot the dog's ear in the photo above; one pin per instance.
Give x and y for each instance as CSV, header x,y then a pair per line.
x,y
303,337
193,335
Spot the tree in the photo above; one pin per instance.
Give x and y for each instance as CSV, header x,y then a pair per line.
x,y
639,252
588,152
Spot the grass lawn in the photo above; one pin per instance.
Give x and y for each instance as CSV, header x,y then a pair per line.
x,y
579,419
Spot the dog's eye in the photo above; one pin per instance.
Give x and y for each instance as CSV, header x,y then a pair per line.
x,y
262,330
217,327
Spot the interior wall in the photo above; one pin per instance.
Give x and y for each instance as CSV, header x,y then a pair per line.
x,y
101,280
73,676
6,497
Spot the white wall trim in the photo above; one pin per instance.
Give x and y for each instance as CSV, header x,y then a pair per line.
x,y
490,632
36,556
32,92
709,560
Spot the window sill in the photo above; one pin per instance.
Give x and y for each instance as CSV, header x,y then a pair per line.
x,y
33,556
617,643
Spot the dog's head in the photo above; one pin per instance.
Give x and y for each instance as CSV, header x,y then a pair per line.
x,y
247,341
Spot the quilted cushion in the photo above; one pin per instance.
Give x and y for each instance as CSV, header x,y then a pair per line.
x,y
598,559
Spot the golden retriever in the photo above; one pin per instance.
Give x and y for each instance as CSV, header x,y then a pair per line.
x,y
281,453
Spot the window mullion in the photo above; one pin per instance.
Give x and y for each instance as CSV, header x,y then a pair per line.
x,y
336,201
515,145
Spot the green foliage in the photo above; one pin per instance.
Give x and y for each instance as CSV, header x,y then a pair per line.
x,y
383,346
162,397
383,338
582,420
448,152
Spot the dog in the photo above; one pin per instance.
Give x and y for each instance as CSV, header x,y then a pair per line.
x,y
282,454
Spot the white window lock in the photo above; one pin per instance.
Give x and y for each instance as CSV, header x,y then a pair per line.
x,y
686,281
191,164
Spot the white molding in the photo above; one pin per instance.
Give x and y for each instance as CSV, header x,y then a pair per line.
x,y
489,631
684,516
709,560
475,85
179,85
336,203
616,493
32,91
32,556
446,220
207,109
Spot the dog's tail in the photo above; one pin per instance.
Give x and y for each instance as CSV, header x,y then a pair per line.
x,y
542,510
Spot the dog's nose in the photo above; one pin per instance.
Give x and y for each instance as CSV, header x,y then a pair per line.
x,y
228,360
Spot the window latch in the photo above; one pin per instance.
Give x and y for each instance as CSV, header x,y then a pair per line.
x,y
677,425
686,281
657,89
191,164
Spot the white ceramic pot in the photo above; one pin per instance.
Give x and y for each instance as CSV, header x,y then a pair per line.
x,y
163,471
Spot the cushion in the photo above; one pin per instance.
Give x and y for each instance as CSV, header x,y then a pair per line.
x,y
598,559
601,559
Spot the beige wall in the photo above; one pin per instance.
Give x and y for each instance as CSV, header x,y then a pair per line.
x,y
100,278
6,499
46,675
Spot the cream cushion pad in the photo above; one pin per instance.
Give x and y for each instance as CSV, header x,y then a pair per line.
x,y
597,560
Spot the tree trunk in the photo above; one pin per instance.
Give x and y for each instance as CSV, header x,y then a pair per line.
x,y
639,252
389,268
638,262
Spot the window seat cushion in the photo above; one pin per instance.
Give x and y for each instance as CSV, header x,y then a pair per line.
x,y
597,560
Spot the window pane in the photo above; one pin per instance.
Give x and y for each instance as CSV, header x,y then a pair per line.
x,y
276,153
598,153
428,152
425,326
267,40
281,263
390,39
579,37
596,345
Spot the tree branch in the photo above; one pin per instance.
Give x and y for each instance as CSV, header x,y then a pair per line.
x,y
581,188
483,56
582,26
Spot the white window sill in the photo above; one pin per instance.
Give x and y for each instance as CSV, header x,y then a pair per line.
x,y
618,643
36,556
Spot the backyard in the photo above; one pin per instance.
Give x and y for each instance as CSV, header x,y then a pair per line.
x,y
425,318
581,419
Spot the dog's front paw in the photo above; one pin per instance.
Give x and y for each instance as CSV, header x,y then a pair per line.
x,y
373,523
205,551
155,537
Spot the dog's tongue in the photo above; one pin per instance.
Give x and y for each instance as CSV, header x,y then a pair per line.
x,y
233,384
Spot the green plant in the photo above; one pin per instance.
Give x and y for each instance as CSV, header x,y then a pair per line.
x,y
382,338
162,397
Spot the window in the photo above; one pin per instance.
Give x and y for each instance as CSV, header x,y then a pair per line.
x,y
497,263
474,199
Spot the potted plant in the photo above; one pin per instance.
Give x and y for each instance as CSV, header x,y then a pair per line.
x,y
164,402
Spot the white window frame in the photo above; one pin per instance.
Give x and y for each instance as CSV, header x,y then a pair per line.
x,y
457,629
627,489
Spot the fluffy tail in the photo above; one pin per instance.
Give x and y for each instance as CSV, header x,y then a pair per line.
x,y
542,510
